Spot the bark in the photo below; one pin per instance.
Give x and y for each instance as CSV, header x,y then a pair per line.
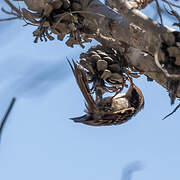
x,y
141,35
136,4
140,38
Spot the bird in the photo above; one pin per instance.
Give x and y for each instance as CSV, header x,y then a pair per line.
x,y
107,111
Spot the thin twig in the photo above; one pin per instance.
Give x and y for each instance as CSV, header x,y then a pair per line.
x,y
174,13
13,7
175,109
172,4
129,170
9,19
14,11
159,11
6,116
7,12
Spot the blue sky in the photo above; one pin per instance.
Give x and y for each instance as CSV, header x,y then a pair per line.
x,y
40,142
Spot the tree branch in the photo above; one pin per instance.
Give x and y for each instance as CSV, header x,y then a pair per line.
x,y
130,27
136,4
6,116
130,30
142,61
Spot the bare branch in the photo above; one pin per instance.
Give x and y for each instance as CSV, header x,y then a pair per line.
x,y
170,3
136,4
130,169
175,109
13,7
129,29
143,33
3,122
159,11
14,12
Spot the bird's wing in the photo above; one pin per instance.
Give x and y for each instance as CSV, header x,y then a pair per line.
x,y
82,82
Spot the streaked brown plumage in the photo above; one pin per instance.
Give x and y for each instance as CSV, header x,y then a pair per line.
x,y
112,110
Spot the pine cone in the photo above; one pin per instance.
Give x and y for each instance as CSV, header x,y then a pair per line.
x,y
112,110
57,17
107,69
